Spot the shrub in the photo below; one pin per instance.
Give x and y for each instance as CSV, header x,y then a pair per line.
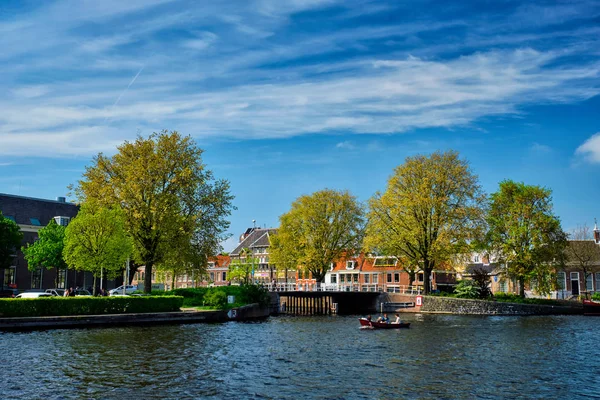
x,y
216,298
466,289
254,294
596,296
56,306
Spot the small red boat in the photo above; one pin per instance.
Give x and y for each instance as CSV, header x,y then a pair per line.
x,y
591,307
382,325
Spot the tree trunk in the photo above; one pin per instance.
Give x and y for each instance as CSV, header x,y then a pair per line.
x,y
173,280
522,287
94,288
426,280
148,278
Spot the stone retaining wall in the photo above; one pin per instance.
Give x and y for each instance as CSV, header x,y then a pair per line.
x,y
449,305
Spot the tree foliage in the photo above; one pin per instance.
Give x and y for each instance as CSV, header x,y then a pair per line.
x,y
525,234
96,241
319,229
47,251
167,196
241,269
432,209
10,239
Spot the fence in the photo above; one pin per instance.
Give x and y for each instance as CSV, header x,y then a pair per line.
x,y
348,287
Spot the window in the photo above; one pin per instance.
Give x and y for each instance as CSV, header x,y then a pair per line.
x,y
334,278
597,279
10,217
331,266
36,279
589,282
476,258
420,277
61,278
35,221
375,278
211,264
502,288
396,277
342,278
355,278
389,278
385,262
224,276
62,221
561,280
212,276
350,264
9,276
366,278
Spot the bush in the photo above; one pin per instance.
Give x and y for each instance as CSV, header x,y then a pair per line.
x,y
466,289
255,294
244,294
596,296
216,298
57,306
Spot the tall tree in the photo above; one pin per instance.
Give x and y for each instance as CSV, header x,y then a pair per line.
x,y
319,229
525,233
96,241
47,251
165,191
432,209
10,239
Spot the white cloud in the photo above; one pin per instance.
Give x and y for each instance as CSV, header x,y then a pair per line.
x,y
590,149
540,148
345,145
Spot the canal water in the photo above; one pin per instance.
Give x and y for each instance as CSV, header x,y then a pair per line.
x,y
439,357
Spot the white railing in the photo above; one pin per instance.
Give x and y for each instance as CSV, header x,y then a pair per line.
x,y
343,287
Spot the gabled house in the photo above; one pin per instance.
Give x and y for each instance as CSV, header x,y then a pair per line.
x,y
257,242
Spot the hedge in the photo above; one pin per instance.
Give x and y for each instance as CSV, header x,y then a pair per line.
x,y
57,306
244,294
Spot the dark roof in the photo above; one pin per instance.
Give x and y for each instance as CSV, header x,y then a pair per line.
x,y
586,250
489,268
257,238
28,210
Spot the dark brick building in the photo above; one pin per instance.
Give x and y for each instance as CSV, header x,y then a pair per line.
x,y
32,215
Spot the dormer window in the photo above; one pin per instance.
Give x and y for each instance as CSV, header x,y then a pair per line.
x,y
331,266
62,221
476,259
350,264
211,264
35,221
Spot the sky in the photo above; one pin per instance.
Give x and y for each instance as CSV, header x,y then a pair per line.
x,y
290,97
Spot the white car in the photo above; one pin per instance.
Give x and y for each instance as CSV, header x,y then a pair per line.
x,y
129,289
32,295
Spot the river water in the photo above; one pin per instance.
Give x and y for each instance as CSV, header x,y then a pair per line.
x,y
439,357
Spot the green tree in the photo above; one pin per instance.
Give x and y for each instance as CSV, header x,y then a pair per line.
x,y
47,251
432,209
166,193
319,229
241,268
96,241
525,234
284,261
10,239
582,252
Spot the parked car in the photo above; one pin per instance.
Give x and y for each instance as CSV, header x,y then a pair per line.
x,y
56,292
8,293
32,295
129,289
82,292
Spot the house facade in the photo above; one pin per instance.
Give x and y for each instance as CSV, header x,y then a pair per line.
x,y
31,215
254,244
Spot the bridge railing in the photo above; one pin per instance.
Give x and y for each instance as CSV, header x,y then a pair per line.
x,y
344,287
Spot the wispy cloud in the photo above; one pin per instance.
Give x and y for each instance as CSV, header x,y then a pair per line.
x,y
590,149
253,70
345,145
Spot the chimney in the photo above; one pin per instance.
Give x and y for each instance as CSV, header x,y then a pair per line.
x,y
596,232
61,199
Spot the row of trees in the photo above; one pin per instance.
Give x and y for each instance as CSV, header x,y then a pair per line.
x,y
432,214
154,201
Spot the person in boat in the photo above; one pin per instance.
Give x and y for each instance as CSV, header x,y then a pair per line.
x,y
398,320
369,318
384,319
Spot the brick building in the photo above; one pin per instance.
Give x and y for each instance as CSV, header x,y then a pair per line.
x,y
31,215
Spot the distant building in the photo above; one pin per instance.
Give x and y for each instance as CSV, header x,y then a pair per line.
x,y
257,241
31,215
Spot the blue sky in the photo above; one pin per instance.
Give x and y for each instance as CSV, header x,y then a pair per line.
x,y
289,97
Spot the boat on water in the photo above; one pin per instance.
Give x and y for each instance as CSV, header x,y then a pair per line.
x,y
382,325
591,307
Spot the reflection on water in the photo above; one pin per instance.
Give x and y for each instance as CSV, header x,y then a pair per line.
x,y
310,357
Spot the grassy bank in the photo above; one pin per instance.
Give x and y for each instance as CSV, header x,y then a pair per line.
x,y
62,306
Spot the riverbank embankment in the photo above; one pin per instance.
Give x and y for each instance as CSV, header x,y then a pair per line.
x,y
245,313
390,302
